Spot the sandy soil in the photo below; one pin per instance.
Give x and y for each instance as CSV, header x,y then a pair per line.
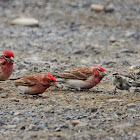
x,y
70,35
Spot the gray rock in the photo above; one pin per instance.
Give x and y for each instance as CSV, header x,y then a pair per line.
x,y
114,100
12,112
32,127
109,8
4,95
131,105
26,22
97,7
15,120
130,34
2,122
128,51
57,129
42,126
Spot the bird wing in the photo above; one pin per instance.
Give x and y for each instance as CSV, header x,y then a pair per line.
x,y
124,73
78,73
2,62
27,81
136,83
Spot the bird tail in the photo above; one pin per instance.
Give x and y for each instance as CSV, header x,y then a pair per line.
x,y
136,83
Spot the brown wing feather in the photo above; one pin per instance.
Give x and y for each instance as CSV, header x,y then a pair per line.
x,y
78,73
27,81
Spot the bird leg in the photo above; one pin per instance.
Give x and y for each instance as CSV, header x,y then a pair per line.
x,y
115,90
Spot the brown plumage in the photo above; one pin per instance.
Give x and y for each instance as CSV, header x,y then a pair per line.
x,y
34,84
81,78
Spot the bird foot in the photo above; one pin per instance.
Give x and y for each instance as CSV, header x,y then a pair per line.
x,y
34,96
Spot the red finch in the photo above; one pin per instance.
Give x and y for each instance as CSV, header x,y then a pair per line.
x,y
81,78
122,82
6,65
34,84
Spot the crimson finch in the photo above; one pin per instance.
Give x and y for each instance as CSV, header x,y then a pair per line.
x,y
6,65
81,78
34,84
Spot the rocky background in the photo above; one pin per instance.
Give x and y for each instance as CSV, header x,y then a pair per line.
x,y
68,34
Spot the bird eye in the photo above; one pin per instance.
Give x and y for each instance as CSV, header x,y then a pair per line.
x,y
6,56
51,80
99,70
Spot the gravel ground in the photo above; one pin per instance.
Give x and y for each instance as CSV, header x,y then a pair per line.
x,y
70,35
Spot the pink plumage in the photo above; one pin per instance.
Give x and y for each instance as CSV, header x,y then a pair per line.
x,y
6,65
35,84
81,78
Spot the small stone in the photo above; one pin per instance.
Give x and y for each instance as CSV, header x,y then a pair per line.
x,y
41,126
12,112
119,113
79,52
112,39
92,110
108,62
2,122
68,117
26,22
32,115
32,127
97,7
17,113
23,127
109,8
114,100
15,120
57,129
128,51
101,107
124,125
130,34
4,95
75,122
131,105
14,100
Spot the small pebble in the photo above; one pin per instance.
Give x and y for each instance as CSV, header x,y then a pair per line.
x,y
97,7
15,120
75,122
32,127
112,39
26,22
109,8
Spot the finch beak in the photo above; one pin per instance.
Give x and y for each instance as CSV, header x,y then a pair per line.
x,y
11,59
104,73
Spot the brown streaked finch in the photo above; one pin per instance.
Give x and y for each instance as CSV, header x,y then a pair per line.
x,y
122,82
135,71
81,78
34,84
6,65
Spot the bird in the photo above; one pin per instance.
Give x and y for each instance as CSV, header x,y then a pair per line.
x,y
135,71
6,65
34,84
122,81
81,78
